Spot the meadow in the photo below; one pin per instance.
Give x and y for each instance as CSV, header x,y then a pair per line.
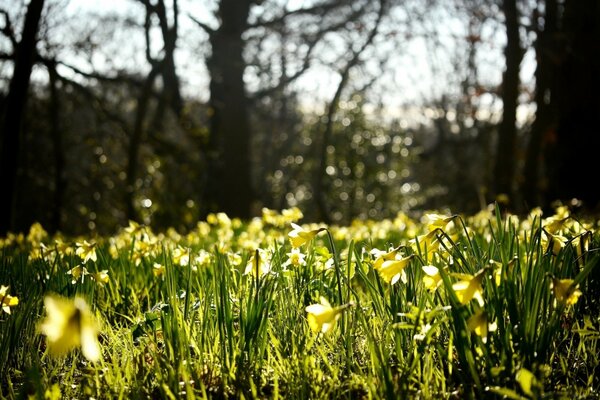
x,y
491,305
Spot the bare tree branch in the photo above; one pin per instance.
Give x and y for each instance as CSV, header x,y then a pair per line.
x,y
202,25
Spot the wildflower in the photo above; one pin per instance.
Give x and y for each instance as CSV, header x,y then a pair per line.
x,y
70,324
86,251
78,272
101,277
295,258
470,287
181,256
6,300
322,316
432,278
478,324
158,269
393,270
134,228
299,236
63,248
36,233
554,242
438,221
203,259
258,263
565,291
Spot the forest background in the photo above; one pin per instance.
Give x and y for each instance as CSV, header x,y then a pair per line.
x,y
163,111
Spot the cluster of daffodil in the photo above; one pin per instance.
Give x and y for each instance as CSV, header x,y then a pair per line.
x,y
251,247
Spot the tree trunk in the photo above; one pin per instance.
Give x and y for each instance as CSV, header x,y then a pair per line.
x,y
15,107
59,155
135,143
544,100
578,133
229,181
507,133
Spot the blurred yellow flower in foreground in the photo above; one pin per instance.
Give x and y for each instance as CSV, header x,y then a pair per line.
x,y
6,300
565,291
70,324
322,316
298,236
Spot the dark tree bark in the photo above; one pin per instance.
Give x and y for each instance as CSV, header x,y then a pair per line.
x,y
505,155
229,180
579,105
170,95
57,143
15,105
544,100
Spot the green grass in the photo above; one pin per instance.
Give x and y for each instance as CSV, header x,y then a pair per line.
x,y
205,328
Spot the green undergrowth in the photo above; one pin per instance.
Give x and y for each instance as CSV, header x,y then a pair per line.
x,y
484,306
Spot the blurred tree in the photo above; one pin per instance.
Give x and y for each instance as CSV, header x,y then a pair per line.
x,y
545,25
504,170
230,177
578,130
344,72
25,54
169,96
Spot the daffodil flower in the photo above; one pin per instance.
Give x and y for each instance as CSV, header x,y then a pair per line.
x,y
478,324
565,291
158,269
101,277
298,236
470,287
86,251
295,258
6,300
70,324
393,270
438,221
78,272
322,316
432,278
258,264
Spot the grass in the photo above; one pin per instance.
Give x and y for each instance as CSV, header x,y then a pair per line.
x,y
220,312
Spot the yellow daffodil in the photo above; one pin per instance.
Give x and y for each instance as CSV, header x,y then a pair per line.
x,y
6,300
565,291
478,324
435,221
258,264
295,258
322,316
180,256
101,277
77,273
70,324
298,236
393,270
63,248
469,287
158,269
432,278
86,251
554,242
36,233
